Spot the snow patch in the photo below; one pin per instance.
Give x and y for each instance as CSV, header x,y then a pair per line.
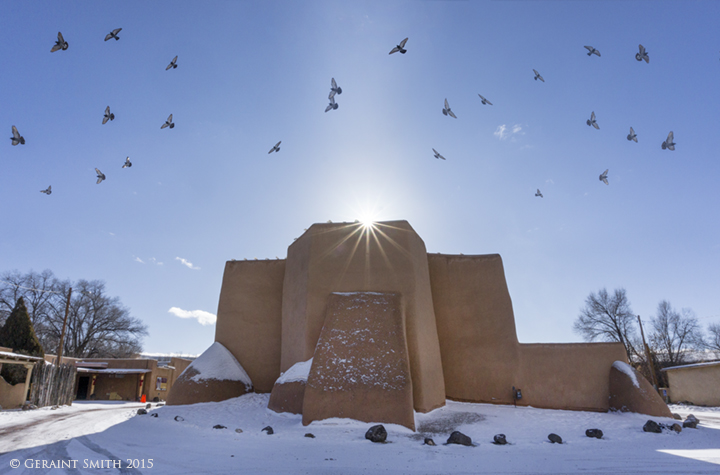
x,y
219,364
627,369
297,372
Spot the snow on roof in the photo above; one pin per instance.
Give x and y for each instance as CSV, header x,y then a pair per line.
x,y
694,365
628,370
113,370
219,364
17,356
297,372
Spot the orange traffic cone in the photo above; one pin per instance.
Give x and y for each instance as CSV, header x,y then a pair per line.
x,y
142,399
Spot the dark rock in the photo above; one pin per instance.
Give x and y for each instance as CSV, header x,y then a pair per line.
x,y
429,441
309,435
28,407
239,431
219,426
459,438
691,422
499,439
676,427
652,426
141,411
160,404
156,399
597,433
148,406
154,414
376,433
179,418
677,416
268,429
555,439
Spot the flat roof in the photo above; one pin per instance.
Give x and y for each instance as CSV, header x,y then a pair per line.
x,y
10,357
114,370
694,365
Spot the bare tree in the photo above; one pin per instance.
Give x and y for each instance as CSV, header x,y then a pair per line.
x,y
713,342
673,333
608,318
98,325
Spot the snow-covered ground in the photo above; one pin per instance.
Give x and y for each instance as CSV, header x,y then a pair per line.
x,y
95,434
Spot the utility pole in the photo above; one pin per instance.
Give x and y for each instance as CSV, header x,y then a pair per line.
x,y
647,355
62,334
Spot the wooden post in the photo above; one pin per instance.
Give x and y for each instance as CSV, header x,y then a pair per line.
x,y
29,368
649,358
62,334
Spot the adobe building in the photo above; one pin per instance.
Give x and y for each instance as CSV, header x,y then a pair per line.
x,y
372,327
697,383
14,396
123,379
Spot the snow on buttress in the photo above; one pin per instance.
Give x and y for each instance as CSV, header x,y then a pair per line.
x,y
297,372
627,369
218,363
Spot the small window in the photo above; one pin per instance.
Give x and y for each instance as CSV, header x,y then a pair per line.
x,y
161,384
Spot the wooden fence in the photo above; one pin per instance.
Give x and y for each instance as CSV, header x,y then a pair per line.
x,y
53,385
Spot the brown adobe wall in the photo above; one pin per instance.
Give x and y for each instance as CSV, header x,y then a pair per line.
x,y
125,386
476,327
567,375
699,385
11,397
643,399
249,318
361,368
340,257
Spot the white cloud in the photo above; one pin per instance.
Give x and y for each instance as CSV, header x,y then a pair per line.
x,y
504,133
155,261
203,317
550,180
500,132
185,262
137,259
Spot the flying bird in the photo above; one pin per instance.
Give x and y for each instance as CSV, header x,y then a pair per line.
x,y
538,193
60,44
168,123
48,191
100,176
592,121
485,101
173,64
446,110
276,148
127,163
632,135
603,177
642,55
113,34
437,154
537,76
400,47
334,87
17,138
108,115
333,104
592,51
669,144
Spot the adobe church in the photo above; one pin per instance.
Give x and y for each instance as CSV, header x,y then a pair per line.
x,y
361,322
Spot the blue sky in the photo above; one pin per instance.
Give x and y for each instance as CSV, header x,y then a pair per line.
x,y
253,73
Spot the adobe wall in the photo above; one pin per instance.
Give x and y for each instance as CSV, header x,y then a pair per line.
x,y
11,397
249,318
340,257
360,369
482,358
124,385
567,375
476,327
699,385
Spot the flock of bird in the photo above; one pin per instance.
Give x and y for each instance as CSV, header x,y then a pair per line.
x,y
641,55
61,44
